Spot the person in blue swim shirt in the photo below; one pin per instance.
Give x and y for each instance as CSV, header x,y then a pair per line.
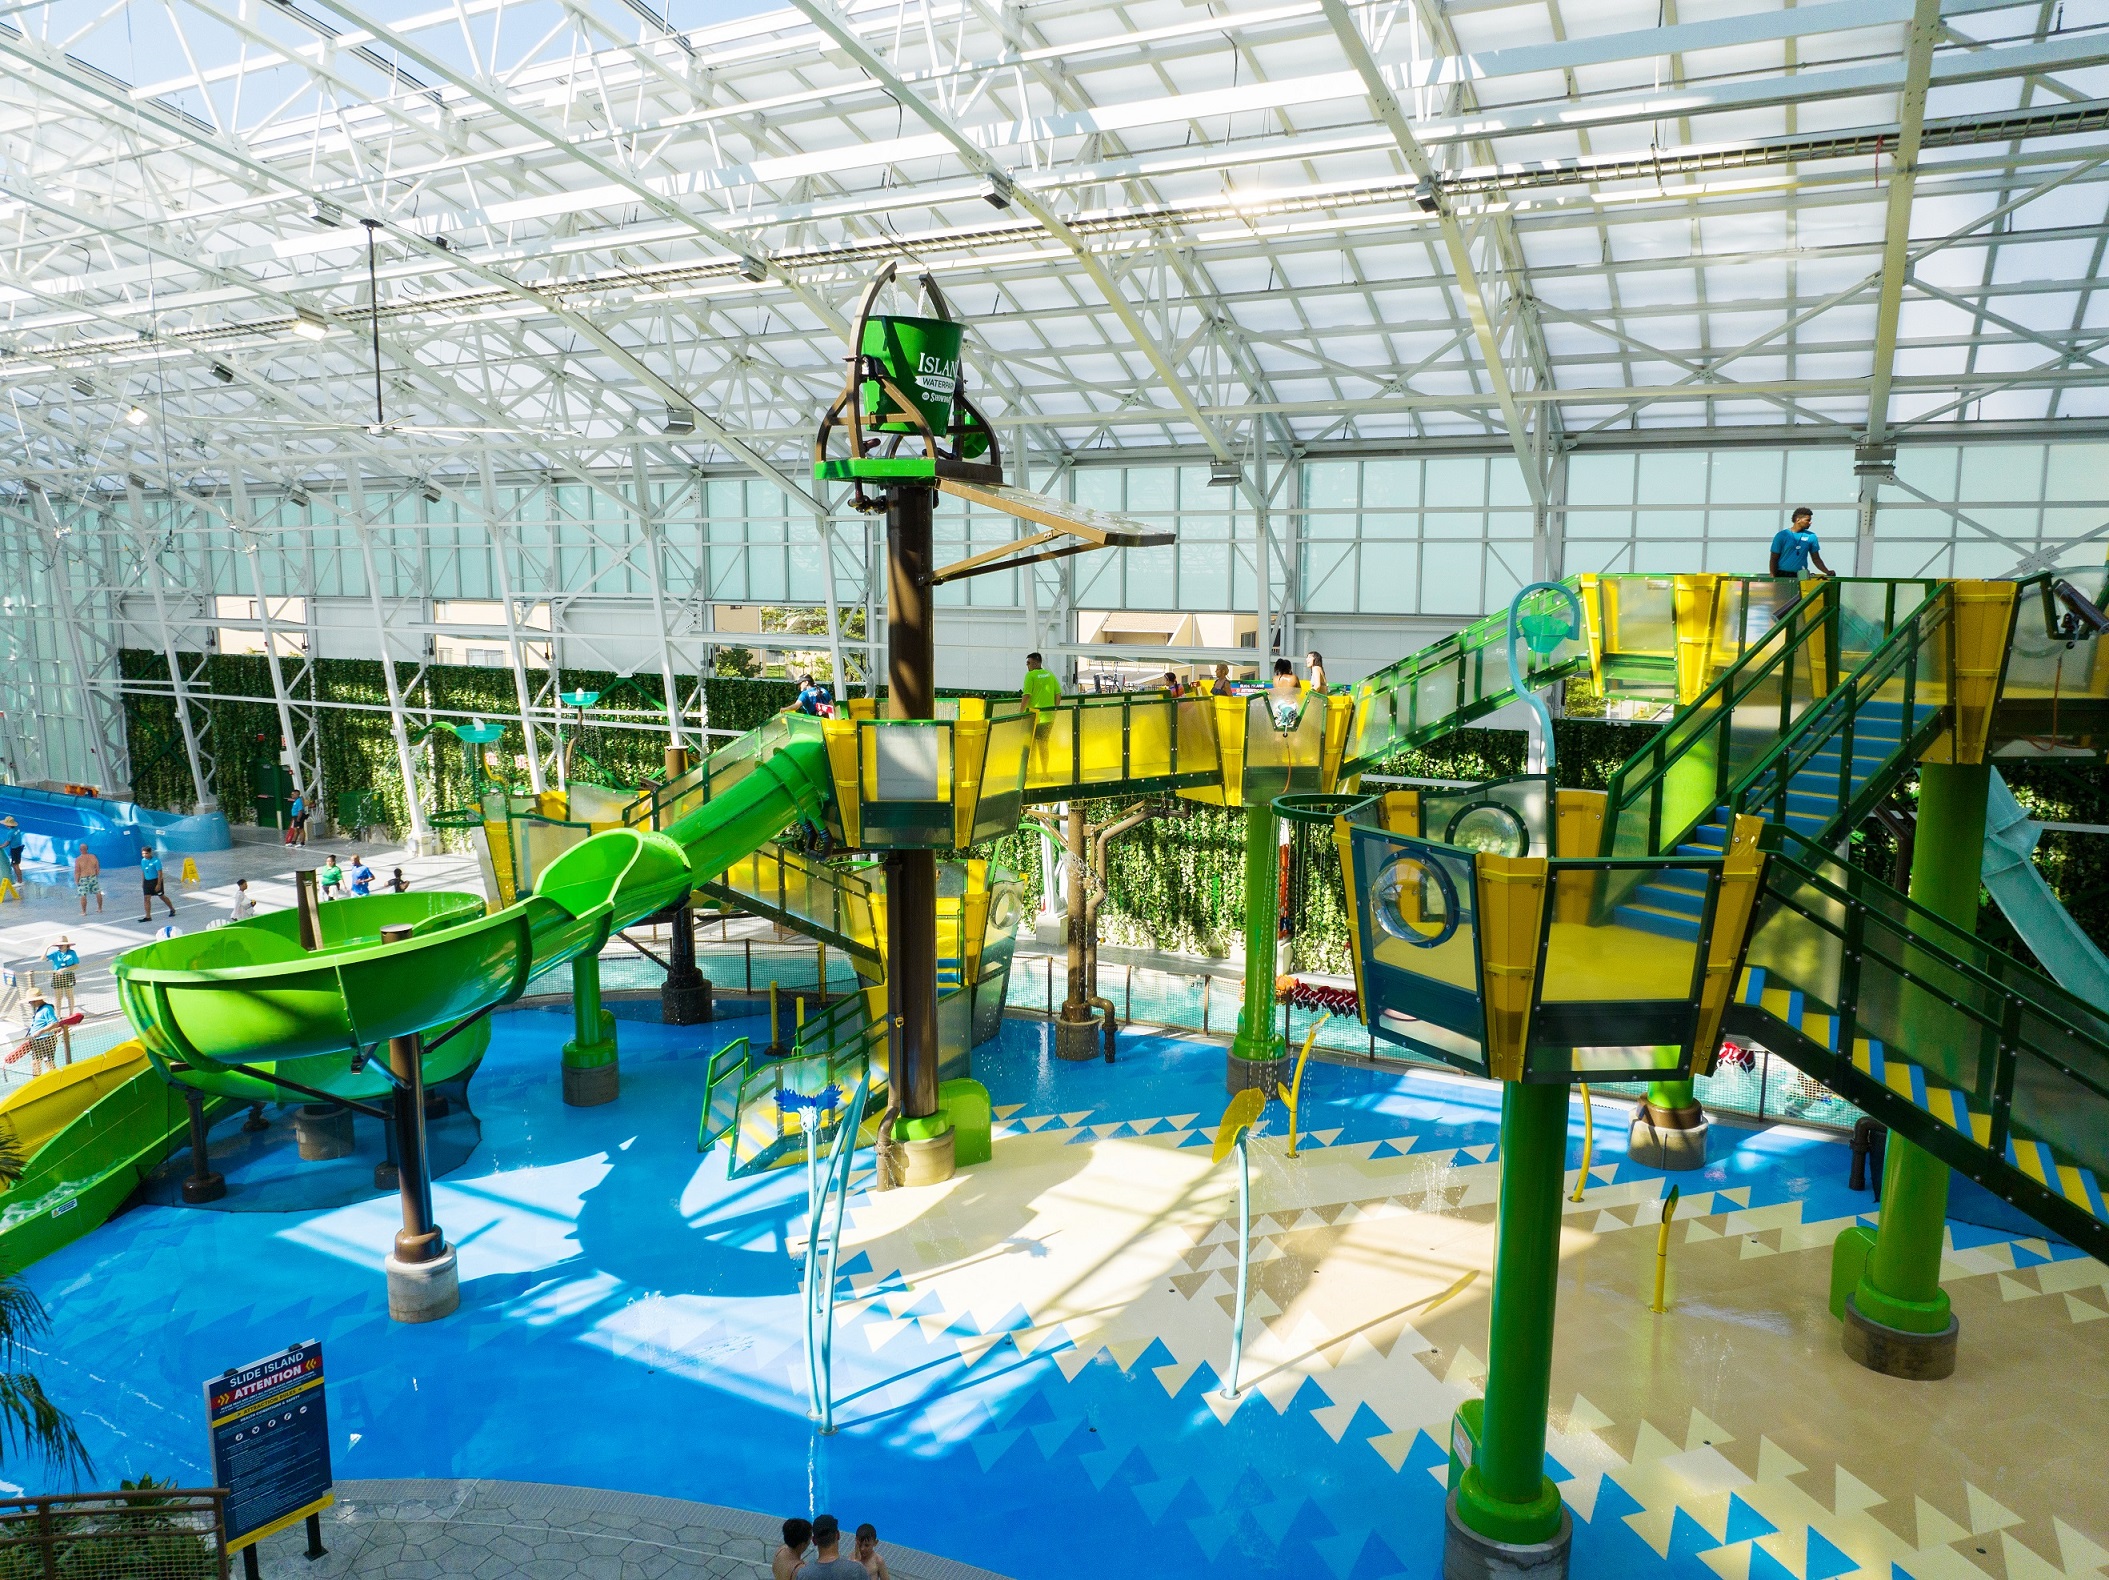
x,y
150,884
65,962
1796,548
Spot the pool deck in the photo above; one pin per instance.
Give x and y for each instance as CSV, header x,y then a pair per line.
x,y
1029,1360
438,1530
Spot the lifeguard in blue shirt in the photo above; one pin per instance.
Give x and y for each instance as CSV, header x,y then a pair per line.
x,y
1796,548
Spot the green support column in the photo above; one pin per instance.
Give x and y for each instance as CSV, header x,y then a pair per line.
x,y
1897,1319
1669,1129
1672,1094
1255,1052
590,1073
1503,1496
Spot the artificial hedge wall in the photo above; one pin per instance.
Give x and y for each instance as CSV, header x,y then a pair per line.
x,y
1176,882
357,747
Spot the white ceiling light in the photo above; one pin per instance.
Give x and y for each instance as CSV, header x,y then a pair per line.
x,y
310,325
136,416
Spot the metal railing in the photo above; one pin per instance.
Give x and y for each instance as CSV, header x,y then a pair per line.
x,y
1681,777
2029,1061
1462,677
149,1533
1911,671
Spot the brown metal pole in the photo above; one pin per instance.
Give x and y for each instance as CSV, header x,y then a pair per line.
x,y
1079,920
310,906
203,1185
911,875
420,1239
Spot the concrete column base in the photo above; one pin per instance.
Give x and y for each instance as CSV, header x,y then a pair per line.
x,y
685,1005
1915,1357
1671,1139
322,1132
930,1162
1467,1555
1078,1040
1240,1073
423,1291
591,1085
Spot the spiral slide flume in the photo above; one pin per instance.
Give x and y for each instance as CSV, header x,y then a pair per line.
x,y
250,996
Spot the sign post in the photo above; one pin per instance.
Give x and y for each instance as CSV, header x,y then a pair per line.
x,y
271,1447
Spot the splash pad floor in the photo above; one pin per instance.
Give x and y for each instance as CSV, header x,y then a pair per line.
x,y
1028,1366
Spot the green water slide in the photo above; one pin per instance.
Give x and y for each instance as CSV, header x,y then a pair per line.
x,y
239,1010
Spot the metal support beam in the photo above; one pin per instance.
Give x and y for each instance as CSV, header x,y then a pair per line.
x,y
398,723
110,767
487,507
649,525
1896,264
1529,452
142,534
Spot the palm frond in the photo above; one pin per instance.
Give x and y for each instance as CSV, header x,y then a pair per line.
x,y
22,1318
31,1425
13,1165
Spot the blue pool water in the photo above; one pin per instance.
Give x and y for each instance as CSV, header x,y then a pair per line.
x,y
630,1319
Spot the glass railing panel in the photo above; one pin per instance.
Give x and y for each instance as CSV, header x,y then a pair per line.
x,y
1281,761
1505,817
905,766
1003,773
1150,730
1101,741
1932,995
1639,616
2042,666
1915,1000
1619,979
1050,762
1420,950
1198,747
2061,1087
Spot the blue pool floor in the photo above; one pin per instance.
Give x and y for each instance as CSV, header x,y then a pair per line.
x,y
1029,1362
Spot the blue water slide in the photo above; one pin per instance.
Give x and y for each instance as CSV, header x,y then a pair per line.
x,y
2073,960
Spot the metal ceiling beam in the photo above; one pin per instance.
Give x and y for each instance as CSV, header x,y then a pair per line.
x,y
1529,453
1896,266
837,27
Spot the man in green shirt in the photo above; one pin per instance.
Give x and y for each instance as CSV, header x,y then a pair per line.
x,y
1042,693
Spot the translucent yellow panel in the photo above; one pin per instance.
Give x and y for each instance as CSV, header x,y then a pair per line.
x,y
1150,739
1197,735
1099,732
1050,762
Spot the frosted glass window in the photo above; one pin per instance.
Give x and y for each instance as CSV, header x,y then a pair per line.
x,y
1455,481
1595,479
1331,485
2002,471
1747,477
1817,477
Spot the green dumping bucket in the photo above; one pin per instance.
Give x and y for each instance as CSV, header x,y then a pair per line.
x,y
921,356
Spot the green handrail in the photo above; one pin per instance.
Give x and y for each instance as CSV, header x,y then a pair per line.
x,y
1460,678
1902,657
2030,1061
1743,714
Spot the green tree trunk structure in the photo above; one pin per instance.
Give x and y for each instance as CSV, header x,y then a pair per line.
x,y
1901,1284
1505,1494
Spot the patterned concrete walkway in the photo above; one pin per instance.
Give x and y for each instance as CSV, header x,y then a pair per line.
x,y
437,1530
